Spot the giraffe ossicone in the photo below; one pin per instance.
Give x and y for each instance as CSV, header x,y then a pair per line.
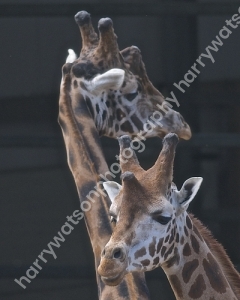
x,y
153,229
72,56
115,86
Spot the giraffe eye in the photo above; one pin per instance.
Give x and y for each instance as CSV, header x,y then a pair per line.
x,y
131,96
162,219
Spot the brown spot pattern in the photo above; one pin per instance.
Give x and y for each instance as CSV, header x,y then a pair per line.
x,y
195,244
104,115
173,260
168,252
177,238
152,247
116,127
137,122
110,121
172,236
185,231
127,127
186,250
120,114
182,240
167,238
145,262
159,245
163,250
176,285
188,269
169,226
89,105
97,108
75,84
188,222
140,252
156,260
214,274
82,85
197,288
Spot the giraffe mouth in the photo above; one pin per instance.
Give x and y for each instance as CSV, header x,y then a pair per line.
x,y
112,281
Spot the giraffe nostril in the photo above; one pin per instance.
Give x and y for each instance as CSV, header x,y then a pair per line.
x,y
103,252
117,253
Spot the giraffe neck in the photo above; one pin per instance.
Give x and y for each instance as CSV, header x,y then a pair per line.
x,y
200,267
86,162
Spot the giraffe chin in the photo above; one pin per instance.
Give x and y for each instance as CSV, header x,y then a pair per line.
x,y
113,281
185,134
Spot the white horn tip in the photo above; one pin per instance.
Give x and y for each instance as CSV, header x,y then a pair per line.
x,y
112,79
117,76
72,56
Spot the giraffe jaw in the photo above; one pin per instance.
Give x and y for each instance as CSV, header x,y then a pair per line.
x,y
112,271
113,281
185,133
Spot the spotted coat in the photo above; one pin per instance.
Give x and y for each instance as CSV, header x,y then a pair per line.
x,y
153,229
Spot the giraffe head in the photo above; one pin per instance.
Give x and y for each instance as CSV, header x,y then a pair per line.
x,y
116,88
146,212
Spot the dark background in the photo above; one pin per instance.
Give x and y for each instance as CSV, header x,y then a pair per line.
x,y
37,191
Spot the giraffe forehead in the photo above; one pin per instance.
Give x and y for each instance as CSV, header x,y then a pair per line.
x,y
128,89
141,204
142,201
86,69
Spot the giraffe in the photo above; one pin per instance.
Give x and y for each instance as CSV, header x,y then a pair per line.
x,y
116,88
84,80
153,229
86,162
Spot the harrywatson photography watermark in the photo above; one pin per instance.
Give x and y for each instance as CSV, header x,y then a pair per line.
x,y
136,144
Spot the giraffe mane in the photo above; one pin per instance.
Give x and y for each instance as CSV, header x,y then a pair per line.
x,y
221,256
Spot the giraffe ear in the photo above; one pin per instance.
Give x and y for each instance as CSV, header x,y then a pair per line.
x,y
112,79
188,191
112,188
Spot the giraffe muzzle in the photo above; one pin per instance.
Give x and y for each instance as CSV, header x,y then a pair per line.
x,y
116,253
113,281
113,265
